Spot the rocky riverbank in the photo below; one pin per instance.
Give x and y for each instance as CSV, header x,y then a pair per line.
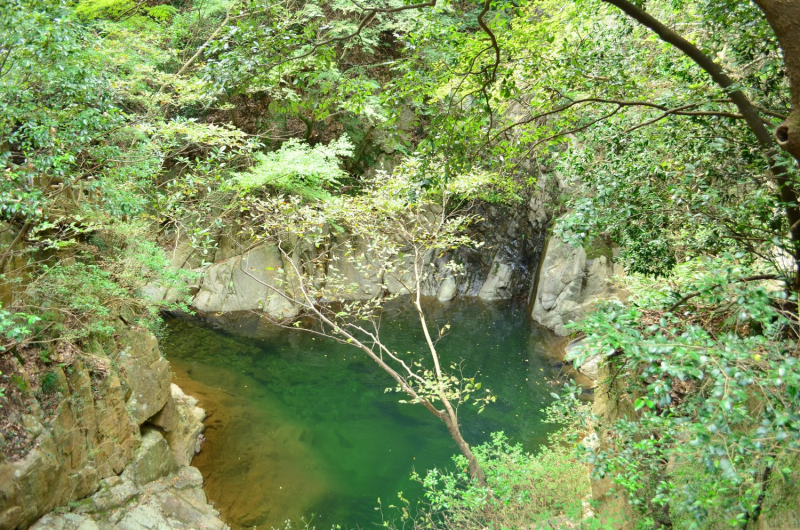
x,y
107,445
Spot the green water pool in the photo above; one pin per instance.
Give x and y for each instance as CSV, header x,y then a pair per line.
x,y
301,427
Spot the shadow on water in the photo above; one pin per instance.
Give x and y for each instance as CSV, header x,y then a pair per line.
x,y
298,425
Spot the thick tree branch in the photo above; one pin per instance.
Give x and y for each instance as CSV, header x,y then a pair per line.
x,y
492,40
786,191
679,111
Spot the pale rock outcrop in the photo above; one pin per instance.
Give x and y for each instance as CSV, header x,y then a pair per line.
x,y
448,289
146,373
498,282
151,461
175,502
182,256
401,276
238,284
184,438
358,270
569,285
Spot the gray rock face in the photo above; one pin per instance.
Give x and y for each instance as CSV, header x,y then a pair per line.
x,y
447,290
175,502
500,270
569,284
498,284
357,268
238,284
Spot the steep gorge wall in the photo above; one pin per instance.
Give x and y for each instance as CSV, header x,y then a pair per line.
x,y
569,283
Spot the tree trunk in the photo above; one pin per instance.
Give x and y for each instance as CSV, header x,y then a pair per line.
x,y
449,415
784,17
475,470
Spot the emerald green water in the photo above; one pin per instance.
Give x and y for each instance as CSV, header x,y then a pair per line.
x,y
301,426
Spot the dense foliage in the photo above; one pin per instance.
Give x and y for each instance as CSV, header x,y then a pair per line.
x,y
132,134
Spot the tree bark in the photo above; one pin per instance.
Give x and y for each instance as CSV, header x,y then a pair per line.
x,y
475,470
784,18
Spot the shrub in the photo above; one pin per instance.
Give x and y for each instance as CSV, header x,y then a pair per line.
x,y
523,489
49,384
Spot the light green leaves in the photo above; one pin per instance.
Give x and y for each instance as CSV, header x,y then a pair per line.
x,y
311,172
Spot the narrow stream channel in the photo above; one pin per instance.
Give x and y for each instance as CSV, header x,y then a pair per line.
x,y
301,427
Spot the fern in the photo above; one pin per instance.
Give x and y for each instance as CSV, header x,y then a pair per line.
x,y
161,13
90,9
112,9
311,172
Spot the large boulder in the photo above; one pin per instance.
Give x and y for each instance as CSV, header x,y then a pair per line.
x,y
152,460
184,439
241,283
358,271
498,283
569,284
146,373
175,502
245,276
448,289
